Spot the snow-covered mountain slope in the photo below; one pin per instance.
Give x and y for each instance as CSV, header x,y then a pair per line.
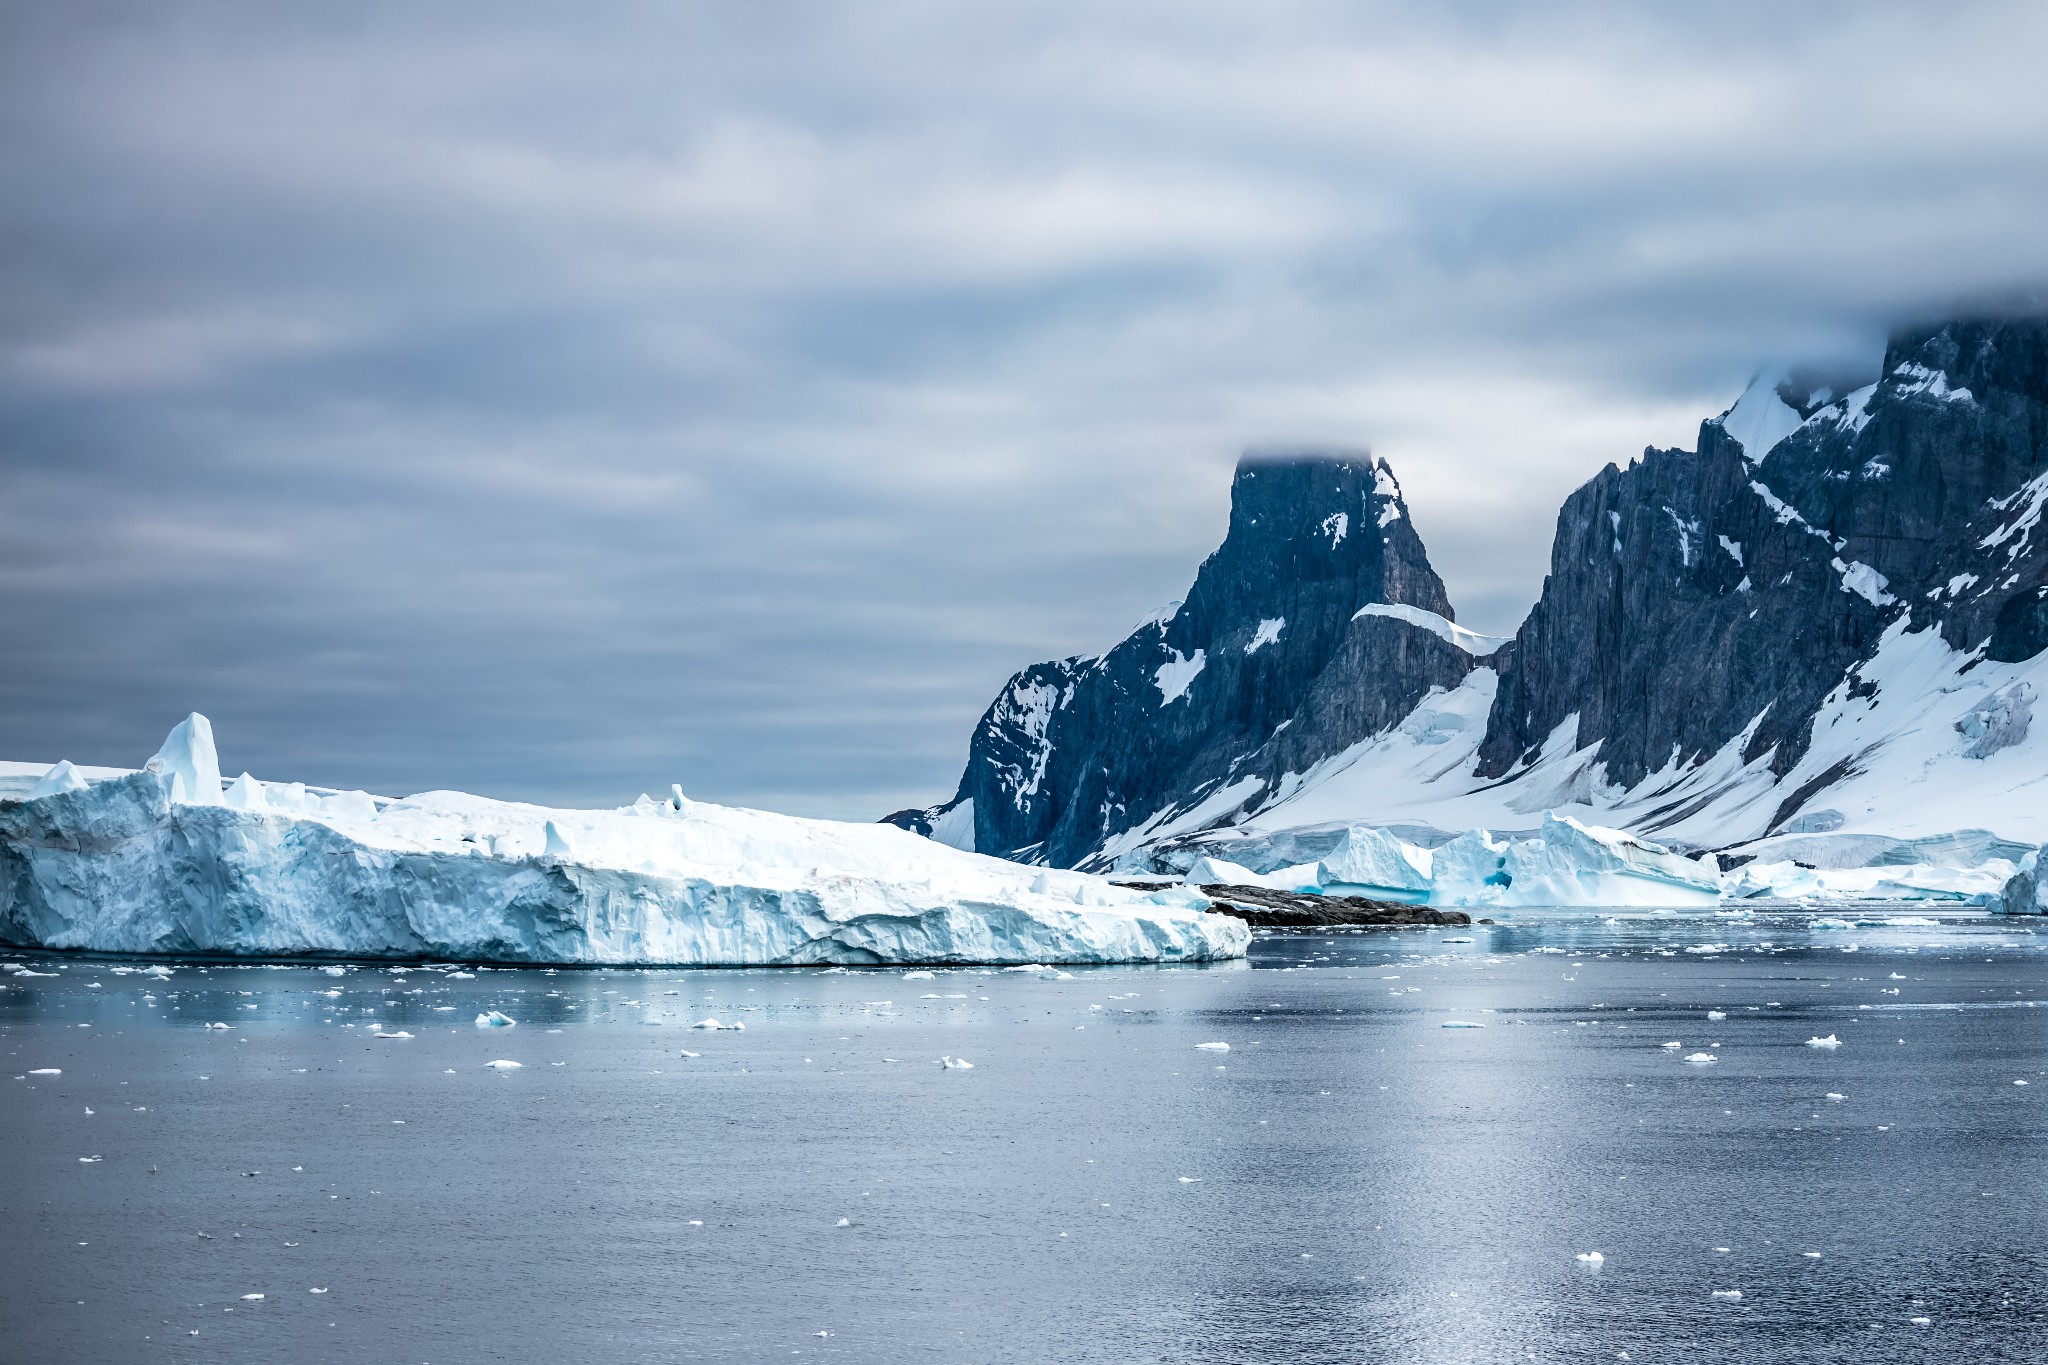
x,y
165,860
1697,596
1923,739
1829,618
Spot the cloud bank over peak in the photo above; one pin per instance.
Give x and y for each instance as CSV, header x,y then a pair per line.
x,y
561,405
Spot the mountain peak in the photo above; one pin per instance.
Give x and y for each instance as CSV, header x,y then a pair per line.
x,y
1319,620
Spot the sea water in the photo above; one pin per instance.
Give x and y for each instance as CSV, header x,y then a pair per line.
x,y
1352,1180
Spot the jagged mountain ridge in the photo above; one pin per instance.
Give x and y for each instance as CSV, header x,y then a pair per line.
x,y
1703,612
1265,667
1695,593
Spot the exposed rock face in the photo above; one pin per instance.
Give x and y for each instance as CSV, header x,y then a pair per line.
x,y
1701,610
1265,668
1694,594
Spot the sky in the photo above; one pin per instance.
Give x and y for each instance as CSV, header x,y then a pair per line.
x,y
560,402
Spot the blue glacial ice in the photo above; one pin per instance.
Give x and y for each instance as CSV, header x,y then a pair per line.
x,y
164,860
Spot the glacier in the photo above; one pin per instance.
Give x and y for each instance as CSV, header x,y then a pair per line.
x,y
165,860
1917,759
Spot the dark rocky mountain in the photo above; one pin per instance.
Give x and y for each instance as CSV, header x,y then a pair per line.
x,y
1695,592
1694,599
1267,666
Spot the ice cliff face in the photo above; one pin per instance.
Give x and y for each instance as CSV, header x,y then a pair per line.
x,y
1318,620
1831,616
158,861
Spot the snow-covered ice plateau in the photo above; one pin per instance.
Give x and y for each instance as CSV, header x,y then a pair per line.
x,y
165,860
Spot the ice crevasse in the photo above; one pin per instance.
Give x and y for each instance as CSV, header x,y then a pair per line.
x,y
165,860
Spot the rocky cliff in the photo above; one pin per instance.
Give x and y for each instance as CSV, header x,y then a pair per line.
x,y
1694,595
1318,619
1726,638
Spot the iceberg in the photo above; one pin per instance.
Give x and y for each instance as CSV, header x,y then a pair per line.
x,y
1208,871
189,761
1372,862
160,861
1567,863
2021,893
62,777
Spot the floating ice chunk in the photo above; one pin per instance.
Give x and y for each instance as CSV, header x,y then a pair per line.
x,y
1191,1180
1674,1043
47,1071
1830,922
714,1024
1702,1059
495,1019
252,1298
356,805
842,1223
334,971
956,1064
1836,1095
687,1053
1717,1015
502,1065
316,1291
89,1160
61,778
1461,1023
917,976
1727,1293
1810,1255
217,1026
1830,1041
2019,1082
1212,1047
401,1033
461,976
1372,862
1207,871
1568,863
1921,1322
246,793
160,973
1591,1257
1458,940
189,758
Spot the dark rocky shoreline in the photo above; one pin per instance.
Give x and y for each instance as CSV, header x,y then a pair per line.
x,y
1264,909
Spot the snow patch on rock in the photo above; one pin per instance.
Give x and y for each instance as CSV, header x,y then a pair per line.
x,y
1173,677
1471,641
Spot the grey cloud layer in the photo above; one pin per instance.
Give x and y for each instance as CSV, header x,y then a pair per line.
x,y
565,406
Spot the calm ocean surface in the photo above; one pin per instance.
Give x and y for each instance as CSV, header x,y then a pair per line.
x,y
1351,1181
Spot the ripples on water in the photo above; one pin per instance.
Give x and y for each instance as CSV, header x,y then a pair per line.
x,y
1351,1181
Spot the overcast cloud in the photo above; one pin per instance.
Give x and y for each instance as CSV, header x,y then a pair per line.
x,y
562,401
